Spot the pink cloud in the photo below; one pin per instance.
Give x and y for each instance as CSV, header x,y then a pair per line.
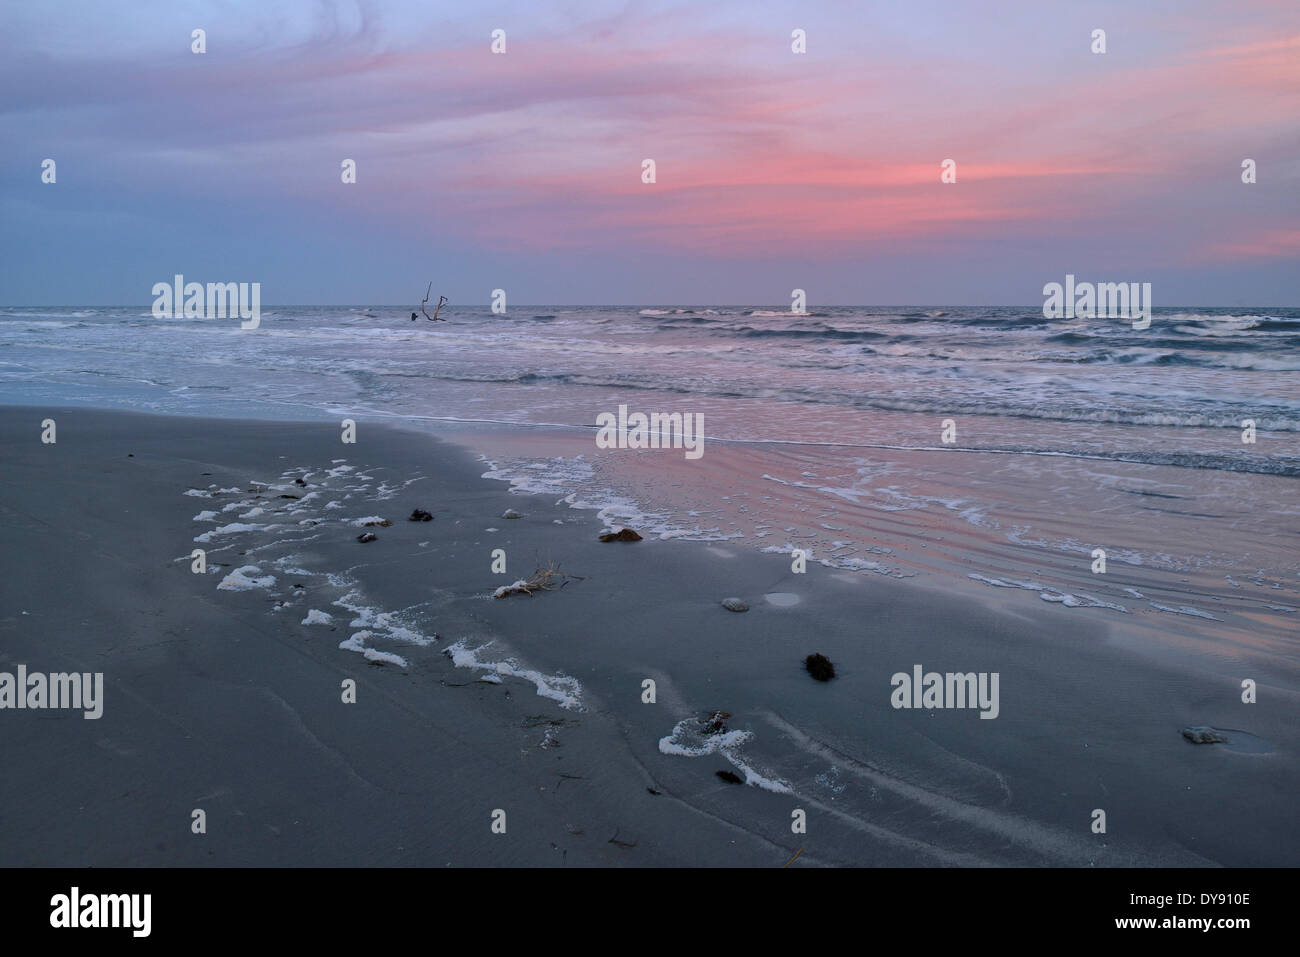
x,y
1268,244
543,147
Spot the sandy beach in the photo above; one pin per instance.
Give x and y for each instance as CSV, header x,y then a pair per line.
x,y
223,690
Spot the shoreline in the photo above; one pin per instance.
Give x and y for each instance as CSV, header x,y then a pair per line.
x,y
215,699
985,521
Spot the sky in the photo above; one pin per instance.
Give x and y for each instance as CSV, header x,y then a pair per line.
x,y
774,170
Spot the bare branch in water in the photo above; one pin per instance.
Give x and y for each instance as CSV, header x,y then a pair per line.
x,y
442,300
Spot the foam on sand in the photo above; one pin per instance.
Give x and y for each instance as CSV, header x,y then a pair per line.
x,y
231,529
1185,610
687,741
572,480
847,562
369,617
241,579
316,617
357,643
560,688
1048,593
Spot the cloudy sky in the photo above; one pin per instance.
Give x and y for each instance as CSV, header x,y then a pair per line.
x,y
775,170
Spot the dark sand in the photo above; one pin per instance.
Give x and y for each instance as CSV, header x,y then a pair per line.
x,y
214,700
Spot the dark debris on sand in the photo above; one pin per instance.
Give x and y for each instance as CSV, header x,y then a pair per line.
x,y
420,515
730,777
622,535
715,722
820,667
1204,735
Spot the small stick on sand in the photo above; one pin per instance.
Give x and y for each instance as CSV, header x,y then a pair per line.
x,y
615,840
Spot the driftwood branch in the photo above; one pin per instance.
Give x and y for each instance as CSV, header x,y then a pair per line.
x,y
441,302
543,579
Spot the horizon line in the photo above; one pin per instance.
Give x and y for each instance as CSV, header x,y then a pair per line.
x,y
642,305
